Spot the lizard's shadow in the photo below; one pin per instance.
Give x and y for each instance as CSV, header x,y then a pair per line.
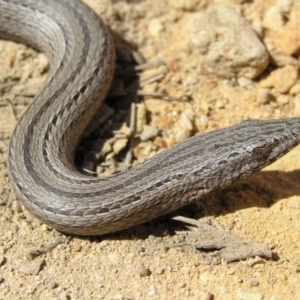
x,y
261,189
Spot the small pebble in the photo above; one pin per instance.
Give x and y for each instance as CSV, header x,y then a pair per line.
x,y
144,272
264,96
32,267
241,295
52,285
148,133
155,27
210,296
254,283
273,19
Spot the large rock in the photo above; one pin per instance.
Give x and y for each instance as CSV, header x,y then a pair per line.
x,y
227,43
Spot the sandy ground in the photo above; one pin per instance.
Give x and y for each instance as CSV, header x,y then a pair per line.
x,y
150,260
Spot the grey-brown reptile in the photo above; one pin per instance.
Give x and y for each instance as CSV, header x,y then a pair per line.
x,y
41,151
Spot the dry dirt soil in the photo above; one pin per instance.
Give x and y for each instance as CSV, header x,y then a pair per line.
x,y
152,261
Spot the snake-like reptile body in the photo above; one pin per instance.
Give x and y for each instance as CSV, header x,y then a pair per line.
x,y
41,151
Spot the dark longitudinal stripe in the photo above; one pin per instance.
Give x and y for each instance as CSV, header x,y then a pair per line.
x,y
28,159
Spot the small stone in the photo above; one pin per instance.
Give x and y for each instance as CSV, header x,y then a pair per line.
x,y
284,6
143,271
201,123
295,89
269,44
42,64
191,80
240,295
52,285
119,145
266,82
209,296
45,227
273,19
281,60
284,78
155,27
283,99
148,133
159,142
254,283
287,39
245,82
77,247
186,119
221,103
264,96
16,206
182,134
160,271
151,290
32,267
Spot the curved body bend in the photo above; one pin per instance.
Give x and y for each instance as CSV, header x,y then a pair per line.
x,y
42,147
